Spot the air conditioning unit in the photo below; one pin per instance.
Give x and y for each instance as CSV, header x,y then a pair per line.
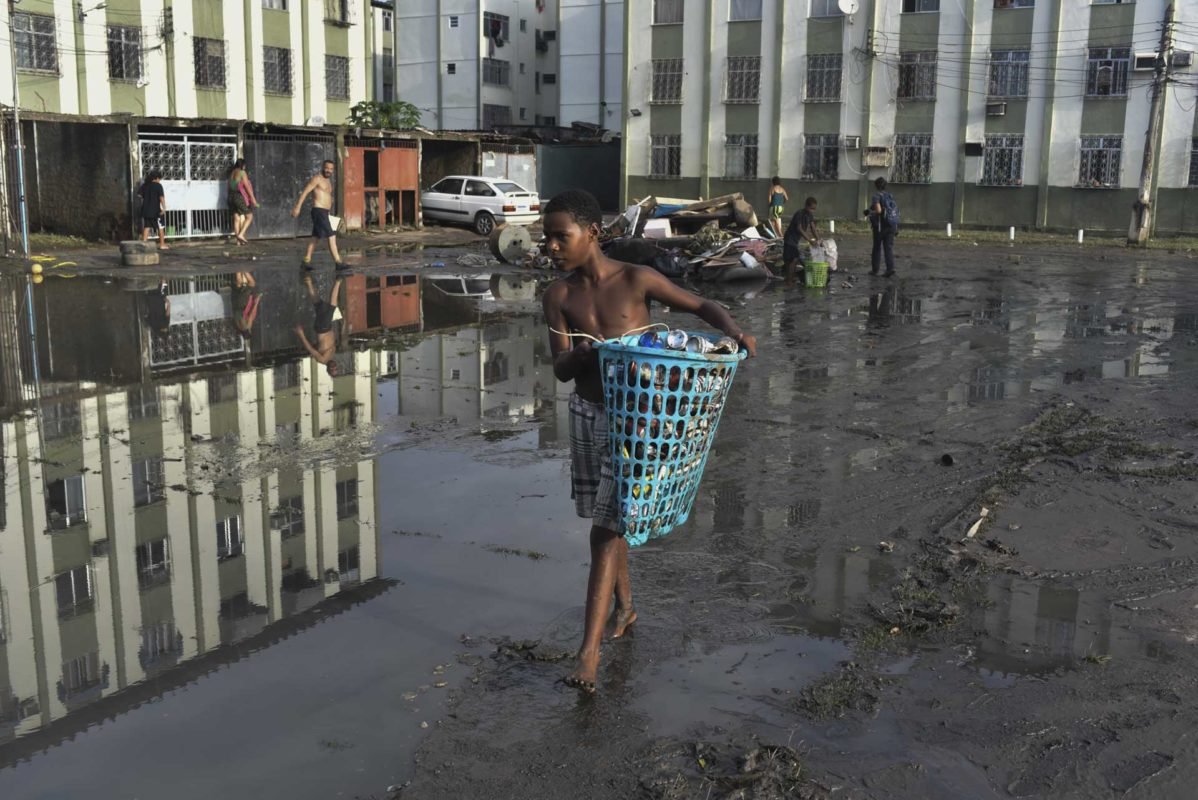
x,y
1144,62
1182,58
852,142
876,157
996,109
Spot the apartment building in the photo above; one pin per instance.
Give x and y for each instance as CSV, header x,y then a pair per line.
x,y
1029,113
280,61
482,64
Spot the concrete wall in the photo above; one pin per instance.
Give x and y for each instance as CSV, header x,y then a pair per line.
x,y
594,167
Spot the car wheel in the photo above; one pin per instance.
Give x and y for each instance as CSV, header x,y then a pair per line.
x,y
484,223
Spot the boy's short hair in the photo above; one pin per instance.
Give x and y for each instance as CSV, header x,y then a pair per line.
x,y
880,183
809,202
579,204
776,179
154,175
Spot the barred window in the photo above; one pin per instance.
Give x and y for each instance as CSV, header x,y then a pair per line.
x,y
1106,71
667,12
667,81
826,8
124,53
665,155
823,77
336,77
496,115
911,6
209,62
276,68
153,563
149,483
742,79
1020,3
917,76
744,9
740,155
1101,160
1002,160
347,498
912,158
497,26
1008,73
1194,161
496,71
821,157
277,5
34,38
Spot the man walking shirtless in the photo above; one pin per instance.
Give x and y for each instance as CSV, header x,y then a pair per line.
x,y
602,298
325,348
321,189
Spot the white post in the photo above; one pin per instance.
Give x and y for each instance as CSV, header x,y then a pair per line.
x,y
950,230
1012,233
1081,234
831,226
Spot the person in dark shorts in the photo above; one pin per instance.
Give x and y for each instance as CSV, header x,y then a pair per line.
x,y
321,189
326,314
241,200
884,221
801,229
246,301
153,208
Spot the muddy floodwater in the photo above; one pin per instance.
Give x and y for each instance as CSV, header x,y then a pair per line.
x,y
946,545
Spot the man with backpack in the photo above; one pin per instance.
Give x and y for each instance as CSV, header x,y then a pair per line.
x,y
884,220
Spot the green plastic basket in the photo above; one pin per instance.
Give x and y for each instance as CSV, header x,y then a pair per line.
x,y
815,274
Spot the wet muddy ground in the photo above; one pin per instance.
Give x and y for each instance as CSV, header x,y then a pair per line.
x,y
946,546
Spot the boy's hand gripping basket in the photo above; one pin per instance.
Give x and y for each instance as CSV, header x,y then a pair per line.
x,y
663,407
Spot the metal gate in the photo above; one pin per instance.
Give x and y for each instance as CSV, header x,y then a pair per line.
x,y
194,170
201,328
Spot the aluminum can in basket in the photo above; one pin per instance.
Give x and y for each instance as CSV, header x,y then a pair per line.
x,y
676,340
699,344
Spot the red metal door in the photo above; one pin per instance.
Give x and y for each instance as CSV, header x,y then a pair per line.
x,y
352,175
401,302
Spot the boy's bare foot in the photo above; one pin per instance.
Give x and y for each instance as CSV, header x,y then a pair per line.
x,y
584,677
624,618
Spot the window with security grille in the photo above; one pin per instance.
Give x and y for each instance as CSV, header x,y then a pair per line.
x,y
915,6
740,155
230,541
1194,161
349,564
1008,73
1002,160
742,79
497,26
495,116
153,563
347,498
667,12
667,81
1101,160
80,674
336,77
277,5
1106,71
159,642
912,158
823,77
497,72
66,503
276,70
124,53
209,55
744,9
149,485
74,590
142,402
35,42
1020,3
62,419
917,76
286,376
288,518
821,156
826,8
665,155
222,389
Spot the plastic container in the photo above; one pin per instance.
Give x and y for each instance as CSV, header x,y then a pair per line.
x,y
663,407
815,274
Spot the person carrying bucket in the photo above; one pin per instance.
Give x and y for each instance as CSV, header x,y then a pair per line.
x,y
601,299
800,230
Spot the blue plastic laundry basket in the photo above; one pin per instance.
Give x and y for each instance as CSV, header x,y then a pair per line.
x,y
663,407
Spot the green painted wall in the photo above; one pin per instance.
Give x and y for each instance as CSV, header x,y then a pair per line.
x,y
821,118
825,35
150,521
1092,209
71,547
156,605
665,119
916,116
1014,121
918,31
78,637
42,91
1011,27
639,186
742,118
276,28
744,38
1177,211
209,22
1104,115
1000,206
927,203
667,41
1112,25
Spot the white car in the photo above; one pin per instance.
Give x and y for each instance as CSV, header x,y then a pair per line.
x,y
481,203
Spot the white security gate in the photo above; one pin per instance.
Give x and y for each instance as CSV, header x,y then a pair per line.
x,y
201,329
195,169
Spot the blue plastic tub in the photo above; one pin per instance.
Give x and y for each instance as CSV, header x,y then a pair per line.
x,y
663,407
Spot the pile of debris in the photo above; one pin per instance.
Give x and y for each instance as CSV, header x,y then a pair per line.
x,y
716,240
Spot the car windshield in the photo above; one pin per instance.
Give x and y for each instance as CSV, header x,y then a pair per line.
x,y
507,187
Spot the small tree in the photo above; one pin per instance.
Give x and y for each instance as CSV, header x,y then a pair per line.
x,y
399,115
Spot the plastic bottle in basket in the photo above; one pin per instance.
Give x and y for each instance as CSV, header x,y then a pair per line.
x,y
676,340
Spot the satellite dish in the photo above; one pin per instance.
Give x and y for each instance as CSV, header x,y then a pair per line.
x,y
848,7
317,121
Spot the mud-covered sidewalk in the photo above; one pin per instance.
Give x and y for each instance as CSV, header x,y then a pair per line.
x,y
945,547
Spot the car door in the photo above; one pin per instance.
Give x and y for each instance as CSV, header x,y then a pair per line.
x,y
480,196
443,200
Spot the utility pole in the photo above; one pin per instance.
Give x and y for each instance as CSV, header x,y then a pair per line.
x,y
18,145
1141,210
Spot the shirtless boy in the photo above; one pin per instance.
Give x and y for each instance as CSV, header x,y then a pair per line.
x,y
326,314
603,298
321,189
